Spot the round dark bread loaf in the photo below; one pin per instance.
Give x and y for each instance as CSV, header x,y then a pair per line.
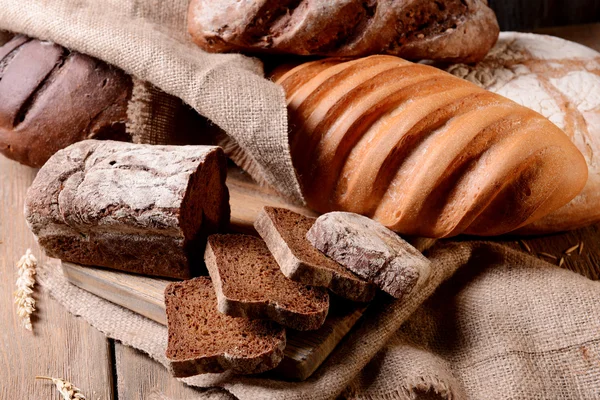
x,y
449,30
51,98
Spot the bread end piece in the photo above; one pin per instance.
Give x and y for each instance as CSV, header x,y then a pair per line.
x,y
371,251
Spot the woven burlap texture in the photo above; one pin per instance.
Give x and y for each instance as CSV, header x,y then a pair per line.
x,y
506,326
148,39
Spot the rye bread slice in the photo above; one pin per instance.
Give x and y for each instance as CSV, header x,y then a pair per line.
x,y
249,283
284,232
202,340
370,250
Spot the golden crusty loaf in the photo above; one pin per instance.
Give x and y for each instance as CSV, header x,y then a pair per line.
x,y
421,151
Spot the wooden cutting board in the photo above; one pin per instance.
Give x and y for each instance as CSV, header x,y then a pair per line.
x,y
304,351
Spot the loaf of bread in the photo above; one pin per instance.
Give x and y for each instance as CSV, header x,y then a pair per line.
x,y
202,340
139,208
560,80
51,98
421,151
449,30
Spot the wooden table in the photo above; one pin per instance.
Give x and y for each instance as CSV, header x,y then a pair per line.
x,y
66,346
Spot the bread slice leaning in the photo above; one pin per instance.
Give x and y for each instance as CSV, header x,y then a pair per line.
x,y
202,340
248,283
284,232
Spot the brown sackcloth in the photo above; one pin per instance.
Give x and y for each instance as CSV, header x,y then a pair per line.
x,y
148,39
506,326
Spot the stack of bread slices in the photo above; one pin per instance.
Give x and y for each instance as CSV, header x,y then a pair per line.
x,y
259,287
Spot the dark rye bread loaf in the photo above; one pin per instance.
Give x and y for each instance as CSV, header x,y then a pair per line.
x,y
51,98
449,30
249,283
284,232
203,340
138,208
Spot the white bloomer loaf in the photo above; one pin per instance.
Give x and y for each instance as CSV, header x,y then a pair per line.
x,y
560,80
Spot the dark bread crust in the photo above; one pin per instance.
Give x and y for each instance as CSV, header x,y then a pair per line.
x,y
249,283
202,340
138,208
446,30
284,232
52,98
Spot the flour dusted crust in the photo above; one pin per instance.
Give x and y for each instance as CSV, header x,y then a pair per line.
x,y
138,208
560,80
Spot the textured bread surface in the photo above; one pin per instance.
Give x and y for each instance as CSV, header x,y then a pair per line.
x,y
421,151
284,232
416,29
249,283
51,98
138,208
560,80
202,340
370,250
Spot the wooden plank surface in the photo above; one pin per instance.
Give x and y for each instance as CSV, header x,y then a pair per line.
x,y
304,351
61,345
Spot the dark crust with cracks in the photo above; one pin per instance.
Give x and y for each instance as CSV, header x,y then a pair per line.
x,y
304,263
253,362
261,306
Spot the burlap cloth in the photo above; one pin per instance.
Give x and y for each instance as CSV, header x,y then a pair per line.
x,y
506,326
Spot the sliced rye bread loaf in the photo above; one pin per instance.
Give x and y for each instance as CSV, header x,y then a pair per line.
x,y
202,340
284,232
249,283
370,250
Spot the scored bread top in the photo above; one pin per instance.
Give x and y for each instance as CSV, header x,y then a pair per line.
x,y
423,152
284,232
202,340
249,283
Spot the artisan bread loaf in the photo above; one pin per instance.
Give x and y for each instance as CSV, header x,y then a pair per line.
x,y
560,80
249,284
202,340
138,208
51,98
416,29
421,151
284,233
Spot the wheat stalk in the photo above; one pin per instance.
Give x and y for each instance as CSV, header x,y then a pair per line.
x,y
66,388
24,293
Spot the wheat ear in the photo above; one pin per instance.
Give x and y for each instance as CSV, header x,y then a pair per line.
x,y
66,388
24,293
